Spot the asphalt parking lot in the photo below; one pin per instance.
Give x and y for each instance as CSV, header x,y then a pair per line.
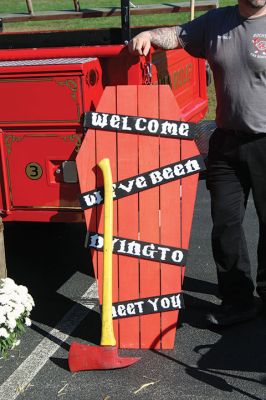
x,y
205,363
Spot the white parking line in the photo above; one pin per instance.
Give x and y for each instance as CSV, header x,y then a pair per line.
x,y
24,374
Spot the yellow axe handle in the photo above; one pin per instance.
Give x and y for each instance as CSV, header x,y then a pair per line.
x,y
107,337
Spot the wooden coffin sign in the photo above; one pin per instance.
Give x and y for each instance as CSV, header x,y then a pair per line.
x,y
160,215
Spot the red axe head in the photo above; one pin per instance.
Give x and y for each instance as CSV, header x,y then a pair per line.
x,y
84,358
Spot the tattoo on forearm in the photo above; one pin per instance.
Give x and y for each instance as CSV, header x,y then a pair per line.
x,y
165,37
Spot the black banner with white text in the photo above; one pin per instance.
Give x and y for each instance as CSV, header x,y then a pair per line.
x,y
148,305
139,125
139,249
147,180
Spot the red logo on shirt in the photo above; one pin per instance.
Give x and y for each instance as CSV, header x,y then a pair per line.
x,y
260,44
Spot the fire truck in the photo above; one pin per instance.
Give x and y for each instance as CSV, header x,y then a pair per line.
x,y
48,80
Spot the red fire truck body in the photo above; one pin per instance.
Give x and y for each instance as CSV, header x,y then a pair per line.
x,y
42,103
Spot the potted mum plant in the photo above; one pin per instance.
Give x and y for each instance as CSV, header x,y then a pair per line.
x,y
15,306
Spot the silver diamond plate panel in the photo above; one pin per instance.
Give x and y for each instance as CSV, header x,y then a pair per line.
x,y
49,61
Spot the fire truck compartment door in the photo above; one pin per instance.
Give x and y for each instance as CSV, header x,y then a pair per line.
x,y
42,169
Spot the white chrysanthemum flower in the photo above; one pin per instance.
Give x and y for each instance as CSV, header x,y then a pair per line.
x,y
15,298
16,313
4,333
31,302
28,307
22,290
28,303
11,322
4,299
8,284
7,281
2,319
15,306
6,309
10,314
11,325
25,302
19,308
15,344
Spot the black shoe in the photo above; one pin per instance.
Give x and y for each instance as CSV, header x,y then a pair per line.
x,y
231,314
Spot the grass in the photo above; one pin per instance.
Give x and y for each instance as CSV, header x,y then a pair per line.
x,y
210,115
19,6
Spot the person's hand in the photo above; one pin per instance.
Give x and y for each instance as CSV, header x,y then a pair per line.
x,y
140,44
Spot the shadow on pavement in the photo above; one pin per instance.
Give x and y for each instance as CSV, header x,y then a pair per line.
x,y
239,351
44,257
199,286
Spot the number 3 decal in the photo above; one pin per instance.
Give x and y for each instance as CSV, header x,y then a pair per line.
x,y
33,171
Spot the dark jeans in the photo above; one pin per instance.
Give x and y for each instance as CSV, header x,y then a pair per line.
x,y
237,164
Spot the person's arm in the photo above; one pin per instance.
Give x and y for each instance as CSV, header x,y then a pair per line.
x,y
165,38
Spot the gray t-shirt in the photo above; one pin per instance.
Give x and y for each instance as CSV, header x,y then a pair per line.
x,y
235,48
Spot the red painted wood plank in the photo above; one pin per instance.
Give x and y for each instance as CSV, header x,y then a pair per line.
x,y
127,165
106,147
170,232
150,279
